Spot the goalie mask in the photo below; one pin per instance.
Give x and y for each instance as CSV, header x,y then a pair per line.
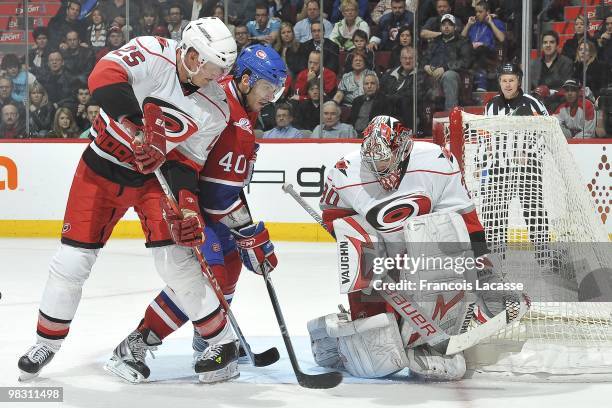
x,y
385,150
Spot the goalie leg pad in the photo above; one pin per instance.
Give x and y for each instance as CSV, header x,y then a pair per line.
x,y
325,347
370,347
426,363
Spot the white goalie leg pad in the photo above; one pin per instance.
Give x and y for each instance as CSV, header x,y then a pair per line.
x,y
68,271
181,271
370,347
325,347
426,363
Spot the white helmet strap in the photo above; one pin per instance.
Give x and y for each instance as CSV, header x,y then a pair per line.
x,y
190,73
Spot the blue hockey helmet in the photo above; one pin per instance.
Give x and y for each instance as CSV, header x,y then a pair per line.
x,y
262,63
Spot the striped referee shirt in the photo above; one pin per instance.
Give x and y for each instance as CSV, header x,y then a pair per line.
x,y
519,106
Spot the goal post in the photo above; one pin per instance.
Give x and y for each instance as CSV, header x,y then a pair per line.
x,y
540,219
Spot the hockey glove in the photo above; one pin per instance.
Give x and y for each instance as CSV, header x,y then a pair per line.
x,y
148,141
256,250
185,222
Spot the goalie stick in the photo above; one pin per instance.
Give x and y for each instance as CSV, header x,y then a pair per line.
x,y
411,312
263,359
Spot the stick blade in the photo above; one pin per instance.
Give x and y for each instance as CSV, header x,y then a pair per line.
x,y
320,381
266,358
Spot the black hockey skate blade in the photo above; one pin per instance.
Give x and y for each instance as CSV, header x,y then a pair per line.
x,y
266,358
320,381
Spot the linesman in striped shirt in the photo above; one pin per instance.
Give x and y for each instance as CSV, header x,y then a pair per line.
x,y
514,168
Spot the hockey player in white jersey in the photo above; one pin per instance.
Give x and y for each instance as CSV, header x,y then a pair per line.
x,y
375,192
161,107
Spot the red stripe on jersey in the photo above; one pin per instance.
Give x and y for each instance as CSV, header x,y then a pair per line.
x,y
411,171
472,222
181,158
154,53
216,106
331,214
106,72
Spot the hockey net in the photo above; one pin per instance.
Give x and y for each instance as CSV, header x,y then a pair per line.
x,y
540,220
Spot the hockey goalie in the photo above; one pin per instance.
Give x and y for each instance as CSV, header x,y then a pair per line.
x,y
394,200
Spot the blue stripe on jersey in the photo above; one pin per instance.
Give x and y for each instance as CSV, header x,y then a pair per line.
x,y
217,196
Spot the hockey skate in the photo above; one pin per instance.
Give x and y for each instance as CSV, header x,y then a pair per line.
x,y
219,362
199,345
128,360
34,360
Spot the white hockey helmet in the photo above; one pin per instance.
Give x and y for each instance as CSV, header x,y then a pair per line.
x,y
213,41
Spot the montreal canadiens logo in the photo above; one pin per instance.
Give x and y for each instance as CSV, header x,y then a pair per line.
x,y
179,125
261,54
389,215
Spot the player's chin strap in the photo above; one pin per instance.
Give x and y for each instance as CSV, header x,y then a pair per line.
x,y
413,314
190,73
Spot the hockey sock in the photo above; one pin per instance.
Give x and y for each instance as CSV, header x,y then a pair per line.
x,y
51,331
163,315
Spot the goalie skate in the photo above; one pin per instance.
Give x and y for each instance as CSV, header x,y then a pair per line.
x,y
128,360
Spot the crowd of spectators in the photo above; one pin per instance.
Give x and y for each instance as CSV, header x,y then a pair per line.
x,y
372,64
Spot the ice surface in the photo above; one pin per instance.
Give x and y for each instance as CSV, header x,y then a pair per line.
x,y
122,284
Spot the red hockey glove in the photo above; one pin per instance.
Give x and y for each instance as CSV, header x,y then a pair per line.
x,y
149,141
185,222
256,250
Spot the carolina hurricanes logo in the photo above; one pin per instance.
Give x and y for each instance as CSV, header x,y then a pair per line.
x,y
66,228
179,125
244,124
261,54
389,215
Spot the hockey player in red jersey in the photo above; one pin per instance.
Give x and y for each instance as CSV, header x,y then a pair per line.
x,y
232,237
161,105
370,196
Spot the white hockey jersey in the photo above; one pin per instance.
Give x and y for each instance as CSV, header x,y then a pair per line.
x,y
432,183
193,121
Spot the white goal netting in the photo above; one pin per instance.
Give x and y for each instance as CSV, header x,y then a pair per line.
x,y
540,220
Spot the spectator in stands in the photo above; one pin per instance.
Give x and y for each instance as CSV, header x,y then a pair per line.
x,y
307,110
384,6
241,11
151,25
573,115
343,31
78,105
331,51
12,127
64,126
202,8
570,48
360,40
56,80
485,33
97,31
371,103
263,29
115,8
93,110
241,35
398,83
114,42
288,48
78,60
41,111
302,29
597,72
404,36
603,41
284,127
12,69
219,12
6,95
362,9
390,24
39,53
176,23
552,69
313,71
445,58
61,24
431,28
351,84
332,127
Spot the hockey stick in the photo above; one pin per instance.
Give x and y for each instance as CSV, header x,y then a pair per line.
x,y
411,312
266,358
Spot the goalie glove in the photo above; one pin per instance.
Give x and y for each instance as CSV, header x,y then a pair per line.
x,y
148,141
185,221
256,250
